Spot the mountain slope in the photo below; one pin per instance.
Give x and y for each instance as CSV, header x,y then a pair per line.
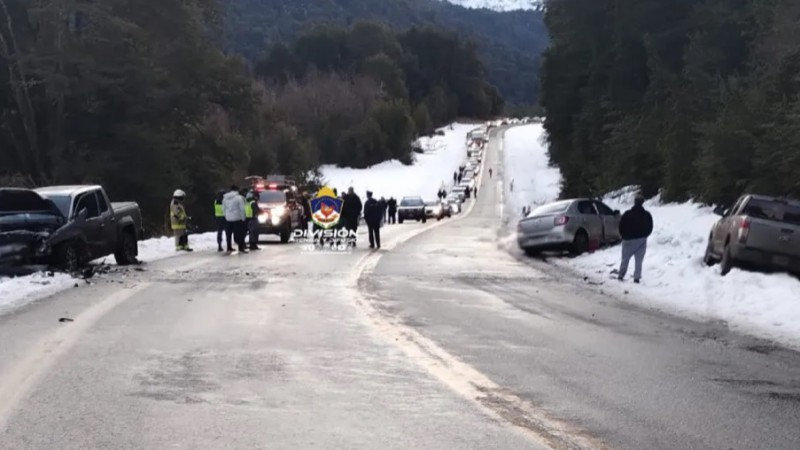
x,y
510,43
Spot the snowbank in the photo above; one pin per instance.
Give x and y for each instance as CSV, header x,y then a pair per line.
x,y
527,164
675,278
443,155
17,291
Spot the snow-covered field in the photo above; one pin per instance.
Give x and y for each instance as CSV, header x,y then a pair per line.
x,y
674,279
17,291
443,155
527,164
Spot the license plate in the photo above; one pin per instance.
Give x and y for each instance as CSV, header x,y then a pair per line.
x,y
780,260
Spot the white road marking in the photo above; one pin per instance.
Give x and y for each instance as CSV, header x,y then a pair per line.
x,y
468,382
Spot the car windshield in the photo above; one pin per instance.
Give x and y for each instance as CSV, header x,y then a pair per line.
x,y
37,217
411,202
62,202
773,210
552,208
272,197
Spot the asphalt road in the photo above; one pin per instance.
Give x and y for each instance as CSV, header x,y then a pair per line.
x,y
573,365
205,351
443,340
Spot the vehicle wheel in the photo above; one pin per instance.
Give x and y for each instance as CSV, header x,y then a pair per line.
x,y
438,219
709,258
532,252
400,220
580,244
68,257
285,235
127,251
424,220
727,263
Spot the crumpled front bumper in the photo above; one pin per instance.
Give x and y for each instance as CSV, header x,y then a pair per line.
x,y
20,247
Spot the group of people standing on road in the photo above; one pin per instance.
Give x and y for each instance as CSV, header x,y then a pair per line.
x,y
375,213
235,212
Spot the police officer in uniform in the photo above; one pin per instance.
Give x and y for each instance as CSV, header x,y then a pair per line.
x,y
255,211
219,216
248,215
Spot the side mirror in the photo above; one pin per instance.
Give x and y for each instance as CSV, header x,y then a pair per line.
x,y
720,211
82,215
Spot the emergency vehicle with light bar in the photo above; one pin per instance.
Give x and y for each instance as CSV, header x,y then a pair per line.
x,y
279,200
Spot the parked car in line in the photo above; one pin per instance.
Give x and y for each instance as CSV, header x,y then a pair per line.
x,y
434,210
568,225
758,230
460,192
105,228
411,208
447,208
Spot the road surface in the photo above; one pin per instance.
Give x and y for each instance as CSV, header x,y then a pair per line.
x,y
578,367
443,340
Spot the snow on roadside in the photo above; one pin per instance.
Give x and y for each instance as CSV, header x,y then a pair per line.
x,y
675,278
17,291
442,156
20,290
528,165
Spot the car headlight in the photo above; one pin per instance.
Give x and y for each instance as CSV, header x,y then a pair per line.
x,y
278,211
262,218
276,219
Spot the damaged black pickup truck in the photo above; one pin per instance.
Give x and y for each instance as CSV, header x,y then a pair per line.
x,y
66,226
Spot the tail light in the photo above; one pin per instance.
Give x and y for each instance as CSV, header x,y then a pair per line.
x,y
561,220
744,229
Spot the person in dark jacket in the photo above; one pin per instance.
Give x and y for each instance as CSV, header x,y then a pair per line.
x,y
455,177
372,215
383,206
351,210
392,205
635,227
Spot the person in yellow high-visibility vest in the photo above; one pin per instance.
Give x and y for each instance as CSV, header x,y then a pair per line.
x,y
219,216
178,220
249,217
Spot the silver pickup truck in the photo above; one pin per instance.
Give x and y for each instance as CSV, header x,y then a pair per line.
x,y
759,231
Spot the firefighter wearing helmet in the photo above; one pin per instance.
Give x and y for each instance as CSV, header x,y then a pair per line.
x,y
178,221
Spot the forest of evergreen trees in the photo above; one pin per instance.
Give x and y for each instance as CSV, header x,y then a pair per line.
x,y
138,95
698,98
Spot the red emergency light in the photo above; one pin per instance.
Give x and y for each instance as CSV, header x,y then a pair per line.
x,y
273,186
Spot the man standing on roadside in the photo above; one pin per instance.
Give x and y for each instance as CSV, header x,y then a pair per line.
x,y
234,207
372,215
635,227
392,205
351,211
219,216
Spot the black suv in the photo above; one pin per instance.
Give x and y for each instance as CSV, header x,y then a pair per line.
x,y
411,208
281,209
